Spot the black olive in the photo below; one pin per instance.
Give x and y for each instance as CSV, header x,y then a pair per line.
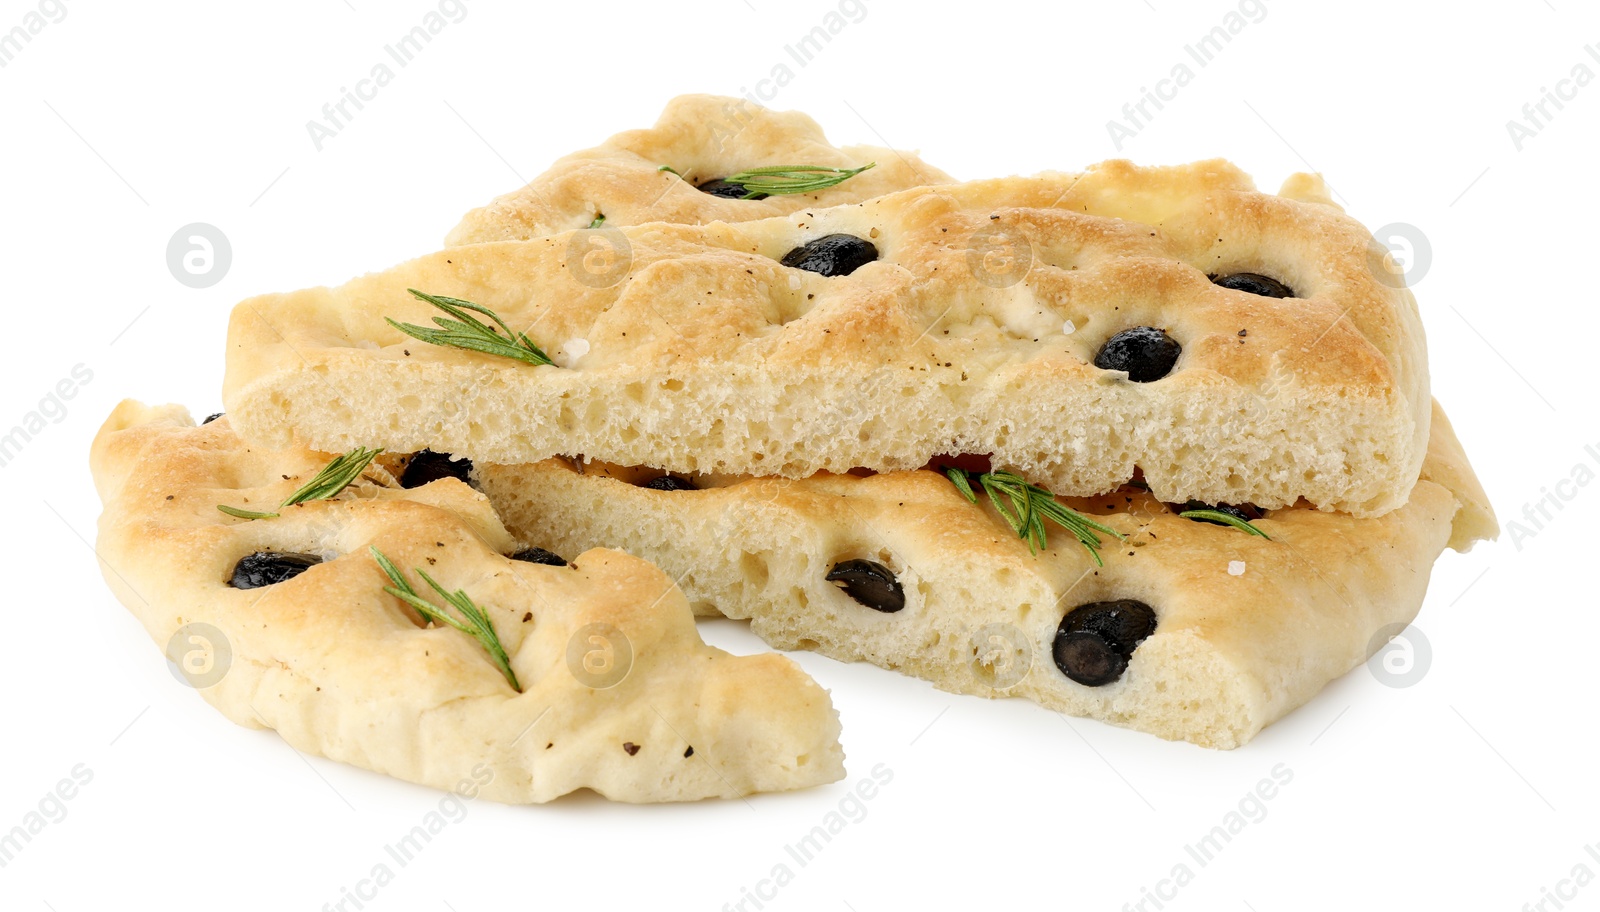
x,y
1246,512
429,466
870,583
1088,658
832,255
719,187
211,418
669,483
1254,283
1125,622
540,556
266,568
1092,633
1145,352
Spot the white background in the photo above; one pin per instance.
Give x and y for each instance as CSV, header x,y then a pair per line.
x,y
1474,788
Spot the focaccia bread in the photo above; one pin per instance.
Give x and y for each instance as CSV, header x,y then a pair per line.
x,y
978,328
702,138
1245,629
619,694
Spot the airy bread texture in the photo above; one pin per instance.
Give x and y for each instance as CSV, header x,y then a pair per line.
x,y
691,348
1231,652
340,668
701,137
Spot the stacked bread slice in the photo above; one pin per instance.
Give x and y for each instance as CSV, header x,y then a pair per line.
x,y
1140,444
977,324
296,613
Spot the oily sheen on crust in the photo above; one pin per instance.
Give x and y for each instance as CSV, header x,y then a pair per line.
x,y
701,137
340,668
1245,629
979,328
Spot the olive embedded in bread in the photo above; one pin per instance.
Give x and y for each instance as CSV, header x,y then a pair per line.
x,y
427,466
1254,283
1145,352
870,583
540,556
728,190
669,483
832,255
268,568
1096,640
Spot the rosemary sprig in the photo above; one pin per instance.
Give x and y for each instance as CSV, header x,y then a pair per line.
x,y
783,179
1224,519
1026,506
476,625
468,332
333,479
243,513
778,180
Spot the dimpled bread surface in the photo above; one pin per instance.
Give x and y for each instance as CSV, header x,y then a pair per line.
x,y
701,137
340,668
1231,652
690,348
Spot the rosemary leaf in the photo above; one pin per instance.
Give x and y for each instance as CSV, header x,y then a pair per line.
x,y
330,482
462,330
477,624
959,478
1025,507
244,514
1224,519
334,477
779,180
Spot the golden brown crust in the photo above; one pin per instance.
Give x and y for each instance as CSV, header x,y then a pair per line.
x,y
701,137
1232,651
700,352
342,669
1447,465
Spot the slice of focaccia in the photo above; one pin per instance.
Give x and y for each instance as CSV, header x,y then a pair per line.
x,y
618,692
704,139
1192,630
1234,345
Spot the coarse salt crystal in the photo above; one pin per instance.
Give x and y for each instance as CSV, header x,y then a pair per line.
x,y
574,349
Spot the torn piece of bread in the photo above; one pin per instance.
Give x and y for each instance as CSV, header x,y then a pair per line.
x,y
701,138
619,694
1018,318
1245,628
